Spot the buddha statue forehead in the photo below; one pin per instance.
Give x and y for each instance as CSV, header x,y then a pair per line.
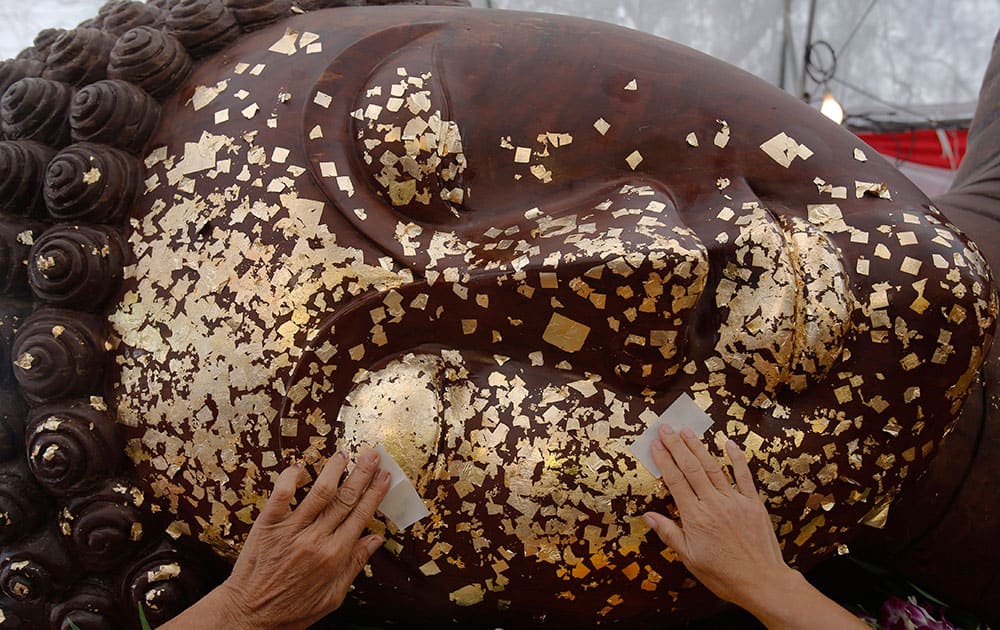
x,y
500,245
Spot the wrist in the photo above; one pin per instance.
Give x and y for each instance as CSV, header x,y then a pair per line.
x,y
231,605
775,591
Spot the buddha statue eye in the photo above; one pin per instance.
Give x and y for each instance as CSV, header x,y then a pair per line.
x,y
382,142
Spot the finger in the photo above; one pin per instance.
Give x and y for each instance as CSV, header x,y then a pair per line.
x,y
711,466
741,471
672,476
279,504
686,461
350,493
324,489
361,554
669,532
350,528
347,569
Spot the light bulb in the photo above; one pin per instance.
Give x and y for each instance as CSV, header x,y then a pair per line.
x,y
831,108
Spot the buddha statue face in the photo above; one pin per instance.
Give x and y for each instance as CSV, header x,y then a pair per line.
x,y
500,245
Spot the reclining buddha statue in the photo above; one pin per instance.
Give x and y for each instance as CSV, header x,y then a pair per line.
x,y
242,233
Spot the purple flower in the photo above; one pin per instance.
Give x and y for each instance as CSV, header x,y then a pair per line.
x,y
907,614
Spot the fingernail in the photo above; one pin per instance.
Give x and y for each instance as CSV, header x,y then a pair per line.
x,y
657,445
649,519
370,456
687,432
384,476
300,465
666,429
732,445
374,543
341,455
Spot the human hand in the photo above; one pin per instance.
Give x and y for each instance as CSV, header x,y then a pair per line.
x,y
298,564
726,538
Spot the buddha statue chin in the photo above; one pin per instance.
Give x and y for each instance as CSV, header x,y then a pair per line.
x,y
496,252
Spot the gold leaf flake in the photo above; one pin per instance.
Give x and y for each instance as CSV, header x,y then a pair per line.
x,y
827,216
312,49
430,568
163,572
27,237
322,99
722,136
345,184
156,156
522,155
860,156
308,38
402,193
258,69
910,361
632,85
92,176
25,361
565,333
468,595
601,126
880,190
204,94
783,149
634,159
692,139
810,528
279,155
286,45
221,116
541,173
910,266
877,516
250,110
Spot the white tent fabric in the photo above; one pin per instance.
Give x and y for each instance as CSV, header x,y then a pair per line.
x,y
907,60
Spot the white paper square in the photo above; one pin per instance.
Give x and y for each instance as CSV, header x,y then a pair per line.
x,y
401,505
683,412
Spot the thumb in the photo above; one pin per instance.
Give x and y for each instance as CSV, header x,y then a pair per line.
x,y
669,532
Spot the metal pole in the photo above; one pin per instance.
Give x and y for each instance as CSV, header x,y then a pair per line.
x,y
805,52
785,44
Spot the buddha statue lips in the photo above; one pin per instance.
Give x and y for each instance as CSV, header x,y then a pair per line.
x,y
501,245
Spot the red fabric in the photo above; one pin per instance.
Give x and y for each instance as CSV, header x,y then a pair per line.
x,y
922,146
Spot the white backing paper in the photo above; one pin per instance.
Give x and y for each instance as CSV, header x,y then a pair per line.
x,y
401,505
683,412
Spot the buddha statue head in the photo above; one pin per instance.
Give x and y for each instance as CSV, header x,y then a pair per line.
x,y
497,244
